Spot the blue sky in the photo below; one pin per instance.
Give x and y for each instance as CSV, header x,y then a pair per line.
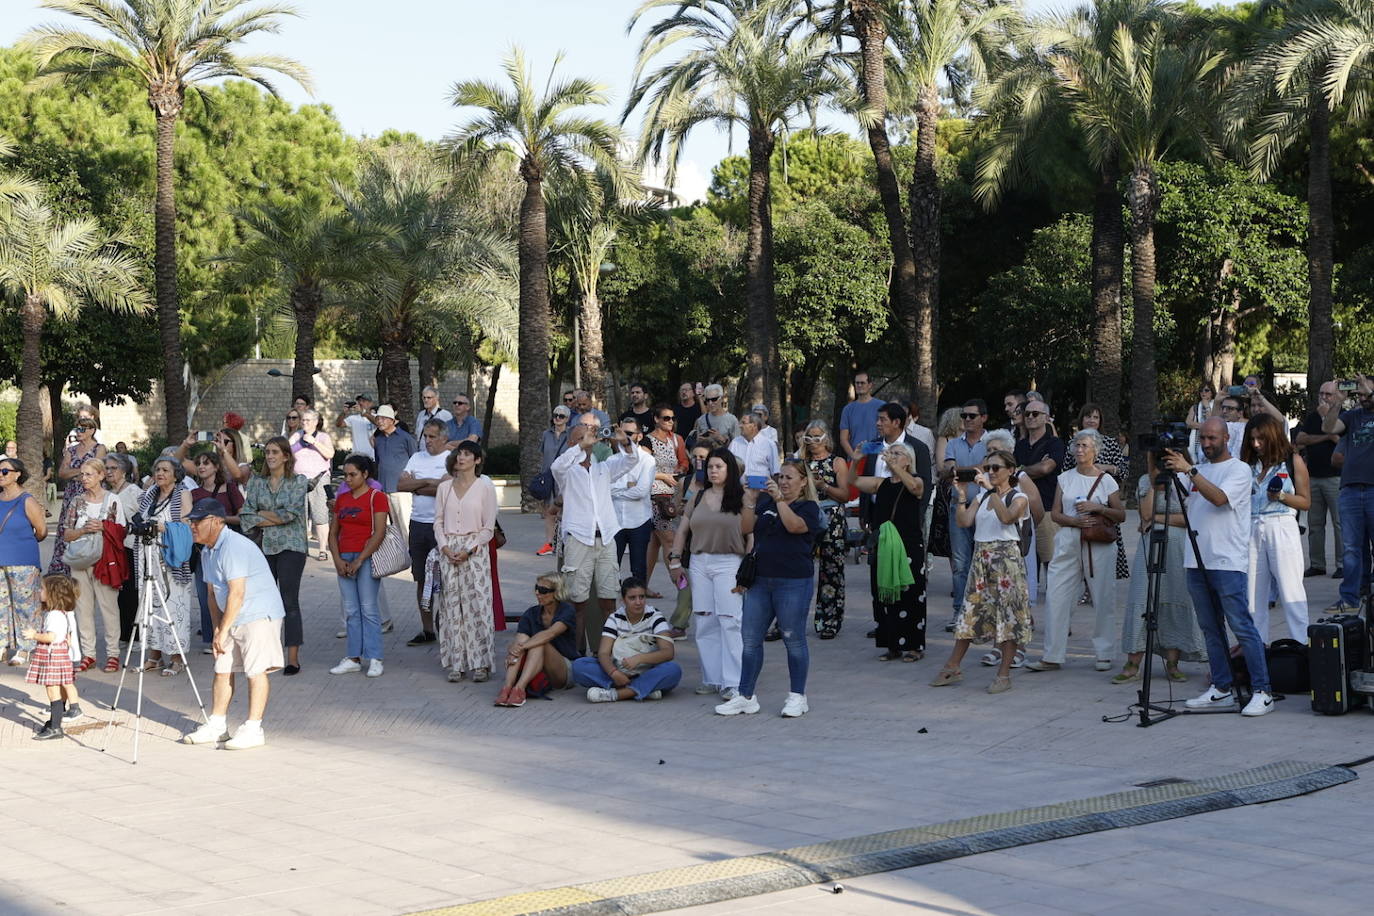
x,y
391,64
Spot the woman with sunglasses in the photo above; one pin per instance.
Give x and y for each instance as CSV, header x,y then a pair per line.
x,y
22,525
119,474
544,642
1084,498
83,449
274,507
693,482
996,604
1002,442
828,471
670,461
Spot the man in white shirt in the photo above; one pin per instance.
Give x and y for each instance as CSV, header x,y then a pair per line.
x,y
1218,510
431,411
632,494
357,416
590,526
425,470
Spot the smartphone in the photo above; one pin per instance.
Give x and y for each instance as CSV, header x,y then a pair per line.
x,y
965,475
1237,391
204,436
756,481
1347,384
872,447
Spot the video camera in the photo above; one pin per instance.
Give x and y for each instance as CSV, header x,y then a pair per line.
x,y
141,527
1166,435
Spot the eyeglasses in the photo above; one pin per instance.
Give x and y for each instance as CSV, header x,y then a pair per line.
x,y
970,416
544,589
1229,407
1035,413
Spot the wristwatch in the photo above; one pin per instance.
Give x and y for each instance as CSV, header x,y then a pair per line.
x,y
1192,471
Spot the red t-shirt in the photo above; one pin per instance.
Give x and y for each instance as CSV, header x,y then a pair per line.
x,y
355,517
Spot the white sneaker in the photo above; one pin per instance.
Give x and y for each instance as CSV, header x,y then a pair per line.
x,y
1261,704
346,666
654,695
246,738
1212,699
796,706
206,734
738,704
374,668
601,695
342,634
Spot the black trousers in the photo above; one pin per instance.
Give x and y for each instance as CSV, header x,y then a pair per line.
x,y
287,568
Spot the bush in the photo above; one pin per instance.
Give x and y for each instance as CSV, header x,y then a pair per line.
x,y
502,460
9,420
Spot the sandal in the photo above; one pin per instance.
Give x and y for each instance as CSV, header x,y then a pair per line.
x,y
152,664
946,677
87,663
1129,674
991,658
174,669
913,656
111,665
1174,674
1000,684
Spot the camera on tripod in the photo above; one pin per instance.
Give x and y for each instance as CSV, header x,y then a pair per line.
x,y
141,527
1165,436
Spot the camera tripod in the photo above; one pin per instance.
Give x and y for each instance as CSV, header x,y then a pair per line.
x,y
150,584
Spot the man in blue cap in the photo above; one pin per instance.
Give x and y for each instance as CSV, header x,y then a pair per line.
x,y
247,612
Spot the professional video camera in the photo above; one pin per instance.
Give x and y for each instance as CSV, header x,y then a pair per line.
x,y
141,527
1166,435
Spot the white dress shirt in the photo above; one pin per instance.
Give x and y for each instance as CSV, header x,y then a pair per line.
x,y
587,505
632,495
758,458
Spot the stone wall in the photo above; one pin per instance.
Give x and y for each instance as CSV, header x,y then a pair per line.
x,y
262,400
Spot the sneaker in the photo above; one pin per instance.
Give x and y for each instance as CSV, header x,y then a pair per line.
x,y
342,634
48,733
795,707
1338,573
388,625
374,669
346,666
705,690
206,734
729,693
654,695
545,550
1212,699
1313,571
421,639
516,697
1261,704
501,697
1043,665
207,650
72,714
19,660
949,627
738,704
601,695
1103,664
246,738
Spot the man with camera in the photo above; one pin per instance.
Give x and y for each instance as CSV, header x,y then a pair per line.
x,y
1217,570
1356,430
357,416
247,612
963,460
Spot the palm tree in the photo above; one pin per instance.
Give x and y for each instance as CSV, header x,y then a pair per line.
x,y
1303,72
168,47
547,139
60,267
950,40
742,64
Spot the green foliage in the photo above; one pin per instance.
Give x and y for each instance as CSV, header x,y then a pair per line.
x,y
9,410
806,166
502,461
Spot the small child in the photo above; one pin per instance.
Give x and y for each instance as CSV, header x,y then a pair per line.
x,y
56,649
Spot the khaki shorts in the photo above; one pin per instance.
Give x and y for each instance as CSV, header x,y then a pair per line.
x,y
254,648
582,564
1044,538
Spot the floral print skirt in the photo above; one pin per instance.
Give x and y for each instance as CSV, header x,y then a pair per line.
x,y
996,603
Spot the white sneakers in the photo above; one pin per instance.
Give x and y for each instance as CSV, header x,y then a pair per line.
x,y
601,695
795,707
209,733
375,668
737,705
213,732
346,666
246,737
1212,699
1260,704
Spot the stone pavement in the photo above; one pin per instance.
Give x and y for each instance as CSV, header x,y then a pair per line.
x,y
406,792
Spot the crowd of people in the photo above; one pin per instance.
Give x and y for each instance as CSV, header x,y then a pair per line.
x,y
752,532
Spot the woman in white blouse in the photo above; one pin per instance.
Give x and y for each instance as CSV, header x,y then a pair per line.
x,y
86,516
464,521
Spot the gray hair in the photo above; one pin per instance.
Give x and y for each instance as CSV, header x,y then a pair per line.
x,y
178,473
1000,438
305,415
124,461
712,390
429,389
1090,436
824,427
910,455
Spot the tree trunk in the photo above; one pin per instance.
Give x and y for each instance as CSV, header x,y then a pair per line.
x,y
165,263
305,303
925,246
490,410
395,370
29,422
1143,196
426,369
534,322
1320,232
1224,363
1104,381
593,350
761,382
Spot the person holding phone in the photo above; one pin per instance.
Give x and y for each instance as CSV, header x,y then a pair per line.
x,y
1197,414
757,454
314,450
964,452
830,473
1356,431
897,566
1280,492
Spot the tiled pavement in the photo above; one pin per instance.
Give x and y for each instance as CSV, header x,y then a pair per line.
x,y
407,792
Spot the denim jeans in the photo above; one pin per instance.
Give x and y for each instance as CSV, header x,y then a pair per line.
x,y
663,676
1227,602
637,539
961,550
363,621
788,600
1357,528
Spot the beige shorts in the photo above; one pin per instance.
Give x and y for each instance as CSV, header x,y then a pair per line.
x,y
254,648
582,564
1044,538
567,669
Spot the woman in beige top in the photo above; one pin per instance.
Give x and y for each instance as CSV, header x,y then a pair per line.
x,y
713,521
464,520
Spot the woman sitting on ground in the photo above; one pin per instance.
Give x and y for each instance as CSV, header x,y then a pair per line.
x,y
635,658
544,642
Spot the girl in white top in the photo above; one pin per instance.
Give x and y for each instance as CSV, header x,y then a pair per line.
x,y
1085,498
87,516
56,648
996,604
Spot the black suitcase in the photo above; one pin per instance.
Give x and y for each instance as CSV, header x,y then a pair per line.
x,y
1339,646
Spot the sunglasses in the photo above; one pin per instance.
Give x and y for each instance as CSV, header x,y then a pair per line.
x,y
668,417
460,403
813,438
989,468
712,400
545,589
1035,413
293,416
970,416
5,472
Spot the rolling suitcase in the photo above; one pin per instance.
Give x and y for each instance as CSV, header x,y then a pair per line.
x,y
1339,647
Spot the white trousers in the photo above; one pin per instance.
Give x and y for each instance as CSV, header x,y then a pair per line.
x,y
717,613
1276,556
1068,570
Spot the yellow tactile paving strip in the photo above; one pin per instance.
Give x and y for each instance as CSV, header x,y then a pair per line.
x,y
746,875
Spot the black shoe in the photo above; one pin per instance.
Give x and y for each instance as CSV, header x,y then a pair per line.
x,y
73,713
1313,571
773,635
48,732
421,639
1338,574
871,634
290,670
827,634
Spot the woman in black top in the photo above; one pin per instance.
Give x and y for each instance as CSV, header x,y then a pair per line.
x,y
897,499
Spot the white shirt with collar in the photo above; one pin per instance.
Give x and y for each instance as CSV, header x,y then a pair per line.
x,y
425,415
757,458
632,495
587,505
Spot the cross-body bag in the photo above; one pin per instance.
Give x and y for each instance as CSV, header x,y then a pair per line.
x,y
1104,532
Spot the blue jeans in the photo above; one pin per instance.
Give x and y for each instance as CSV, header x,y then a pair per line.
x,y
664,676
1227,602
788,600
961,551
637,539
361,617
1357,528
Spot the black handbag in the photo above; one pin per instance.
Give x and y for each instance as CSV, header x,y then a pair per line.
x,y
748,570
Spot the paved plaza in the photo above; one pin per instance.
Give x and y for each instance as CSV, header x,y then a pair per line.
x,y
406,792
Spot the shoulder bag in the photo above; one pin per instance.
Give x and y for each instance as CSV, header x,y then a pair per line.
x,y
393,554
85,551
1104,532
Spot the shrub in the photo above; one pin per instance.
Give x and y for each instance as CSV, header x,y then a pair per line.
x,y
502,460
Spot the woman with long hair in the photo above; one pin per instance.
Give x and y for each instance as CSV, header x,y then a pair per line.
x,y
830,473
1281,490
23,524
81,450
950,427
464,521
1197,415
274,508
214,482
169,624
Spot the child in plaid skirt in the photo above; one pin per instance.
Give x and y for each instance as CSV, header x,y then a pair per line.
x,y
56,649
